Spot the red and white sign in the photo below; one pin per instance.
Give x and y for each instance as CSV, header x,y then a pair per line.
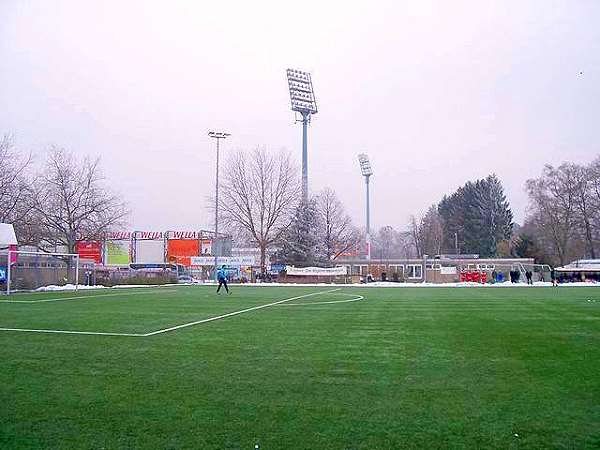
x,y
89,250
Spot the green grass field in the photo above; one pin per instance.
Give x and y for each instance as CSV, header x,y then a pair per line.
x,y
429,368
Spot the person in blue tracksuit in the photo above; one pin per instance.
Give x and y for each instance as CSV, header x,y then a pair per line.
x,y
222,279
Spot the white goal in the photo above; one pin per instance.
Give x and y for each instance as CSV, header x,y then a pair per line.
x,y
28,271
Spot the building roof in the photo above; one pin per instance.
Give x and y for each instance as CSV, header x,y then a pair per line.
x,y
7,235
582,265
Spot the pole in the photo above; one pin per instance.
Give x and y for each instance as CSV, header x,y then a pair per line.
x,y
368,237
77,273
215,246
305,117
368,220
456,242
8,273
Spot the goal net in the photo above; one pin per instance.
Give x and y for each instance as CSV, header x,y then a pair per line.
x,y
28,271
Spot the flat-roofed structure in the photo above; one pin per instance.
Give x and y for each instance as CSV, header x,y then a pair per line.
x,y
442,269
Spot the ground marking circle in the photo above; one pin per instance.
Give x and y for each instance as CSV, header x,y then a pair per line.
x,y
355,298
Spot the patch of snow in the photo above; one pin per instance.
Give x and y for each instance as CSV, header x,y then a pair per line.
x,y
72,287
390,284
67,287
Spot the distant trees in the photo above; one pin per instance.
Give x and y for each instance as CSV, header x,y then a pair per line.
x,y
259,192
59,203
335,231
299,245
478,215
564,216
319,232
391,243
15,184
428,232
72,201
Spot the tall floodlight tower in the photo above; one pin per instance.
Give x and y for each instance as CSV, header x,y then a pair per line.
x,y
303,102
218,135
367,171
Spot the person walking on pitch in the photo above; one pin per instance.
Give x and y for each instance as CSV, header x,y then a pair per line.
x,y
222,278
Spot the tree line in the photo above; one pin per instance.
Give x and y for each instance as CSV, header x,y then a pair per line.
x,y
562,223
260,203
57,201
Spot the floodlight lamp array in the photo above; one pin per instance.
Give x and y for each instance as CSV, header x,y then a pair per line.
x,y
365,165
218,134
302,95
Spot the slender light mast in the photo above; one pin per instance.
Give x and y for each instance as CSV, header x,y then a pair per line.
x,y
218,135
302,97
366,171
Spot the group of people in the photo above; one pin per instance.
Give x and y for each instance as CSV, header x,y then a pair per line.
x,y
515,276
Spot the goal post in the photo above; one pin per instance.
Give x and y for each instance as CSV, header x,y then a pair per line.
x,y
29,271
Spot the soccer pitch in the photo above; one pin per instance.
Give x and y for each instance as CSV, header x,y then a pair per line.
x,y
301,368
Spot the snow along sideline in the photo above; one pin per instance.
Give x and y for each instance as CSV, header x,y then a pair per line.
x,y
376,284
390,284
176,327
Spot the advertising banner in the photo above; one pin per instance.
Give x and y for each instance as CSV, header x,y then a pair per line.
x,y
206,247
89,250
316,271
13,256
148,251
117,252
223,260
274,269
181,250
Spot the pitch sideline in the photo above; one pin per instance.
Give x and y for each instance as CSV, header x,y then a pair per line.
x,y
80,297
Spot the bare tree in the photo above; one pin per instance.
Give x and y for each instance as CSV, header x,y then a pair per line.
x,y
415,234
72,201
258,194
15,184
405,245
428,232
553,206
384,243
337,234
585,206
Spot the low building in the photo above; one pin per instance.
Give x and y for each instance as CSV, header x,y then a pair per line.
x,y
580,270
443,269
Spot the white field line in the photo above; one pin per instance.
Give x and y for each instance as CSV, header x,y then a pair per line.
x,y
59,299
355,299
165,330
235,313
99,333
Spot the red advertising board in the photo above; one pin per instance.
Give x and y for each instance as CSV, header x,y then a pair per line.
x,y
180,250
90,250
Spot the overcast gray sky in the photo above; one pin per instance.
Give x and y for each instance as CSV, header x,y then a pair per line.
x,y
436,92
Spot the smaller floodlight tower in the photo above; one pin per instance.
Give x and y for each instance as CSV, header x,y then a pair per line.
x,y
367,171
303,101
218,135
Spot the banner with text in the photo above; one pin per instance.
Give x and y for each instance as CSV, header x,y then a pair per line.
x,y
117,252
316,271
223,260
